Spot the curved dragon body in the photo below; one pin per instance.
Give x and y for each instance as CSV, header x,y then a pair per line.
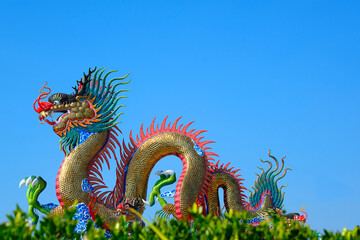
x,y
155,148
88,137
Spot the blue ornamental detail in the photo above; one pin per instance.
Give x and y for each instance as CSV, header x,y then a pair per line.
x,y
82,215
86,187
50,205
198,149
168,194
255,221
107,234
83,135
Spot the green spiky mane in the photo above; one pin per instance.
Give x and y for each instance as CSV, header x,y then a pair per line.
x,y
106,97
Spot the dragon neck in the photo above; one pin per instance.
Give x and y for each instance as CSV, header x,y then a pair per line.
x,y
74,167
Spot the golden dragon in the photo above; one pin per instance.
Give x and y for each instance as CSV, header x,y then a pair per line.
x,y
87,127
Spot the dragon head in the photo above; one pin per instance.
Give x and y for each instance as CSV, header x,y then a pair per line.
x,y
296,217
91,109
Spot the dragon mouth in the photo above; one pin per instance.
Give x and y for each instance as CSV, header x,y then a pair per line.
x,y
56,116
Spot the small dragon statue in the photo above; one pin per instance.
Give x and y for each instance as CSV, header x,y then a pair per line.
x,y
87,127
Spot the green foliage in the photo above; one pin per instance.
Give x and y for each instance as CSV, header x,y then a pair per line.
x,y
232,226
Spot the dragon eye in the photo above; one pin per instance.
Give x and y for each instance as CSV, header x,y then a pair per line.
x,y
56,102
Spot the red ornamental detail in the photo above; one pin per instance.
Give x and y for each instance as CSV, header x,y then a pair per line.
x,y
302,218
93,210
43,106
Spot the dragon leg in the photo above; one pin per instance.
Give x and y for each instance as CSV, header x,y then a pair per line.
x,y
36,186
167,208
164,180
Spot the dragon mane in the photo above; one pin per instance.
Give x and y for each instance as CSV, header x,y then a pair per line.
x,y
102,95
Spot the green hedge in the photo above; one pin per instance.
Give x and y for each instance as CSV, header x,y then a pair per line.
x,y
203,227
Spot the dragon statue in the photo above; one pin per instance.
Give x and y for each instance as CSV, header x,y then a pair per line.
x,y
87,127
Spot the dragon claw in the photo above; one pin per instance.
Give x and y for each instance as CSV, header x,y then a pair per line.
x,y
28,181
22,183
29,223
168,172
146,202
36,181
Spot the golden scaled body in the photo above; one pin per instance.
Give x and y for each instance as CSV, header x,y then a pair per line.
x,y
74,170
75,167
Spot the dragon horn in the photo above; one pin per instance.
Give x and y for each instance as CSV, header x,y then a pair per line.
x,y
83,83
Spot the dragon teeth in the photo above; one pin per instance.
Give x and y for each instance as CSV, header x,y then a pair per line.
x,y
44,114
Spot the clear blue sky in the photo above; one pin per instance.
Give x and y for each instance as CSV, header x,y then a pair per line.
x,y
256,74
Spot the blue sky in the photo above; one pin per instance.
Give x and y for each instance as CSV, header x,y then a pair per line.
x,y
258,75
